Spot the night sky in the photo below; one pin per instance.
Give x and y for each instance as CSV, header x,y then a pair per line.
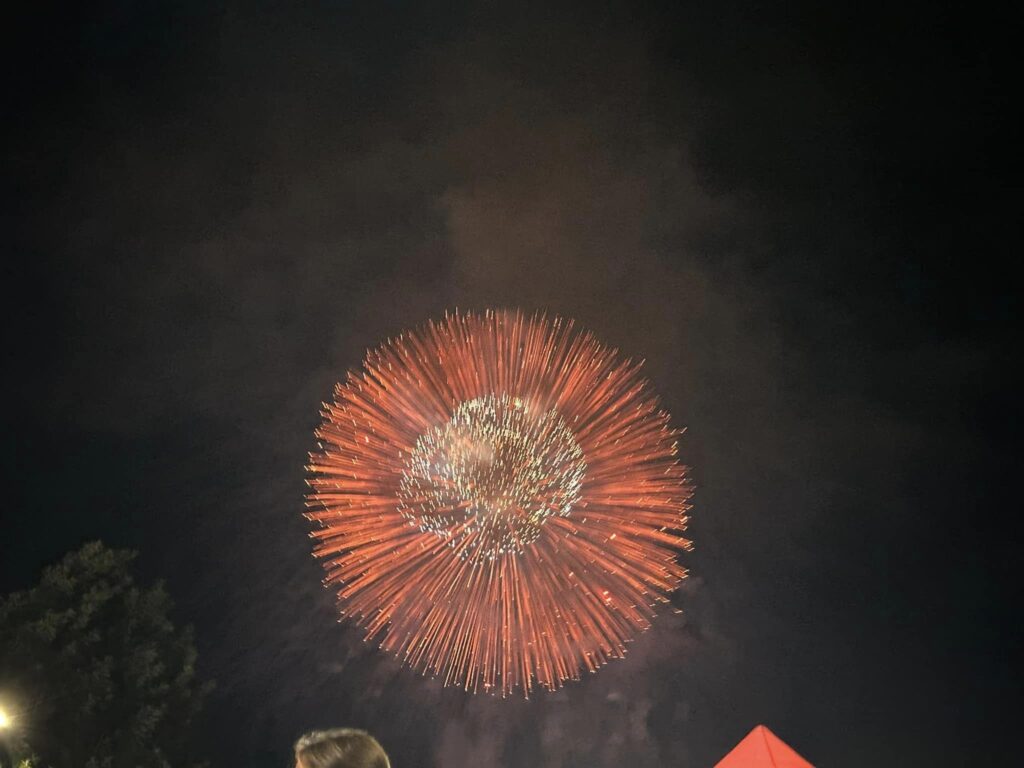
x,y
798,213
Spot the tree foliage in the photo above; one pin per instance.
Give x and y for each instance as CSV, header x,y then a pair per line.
x,y
101,675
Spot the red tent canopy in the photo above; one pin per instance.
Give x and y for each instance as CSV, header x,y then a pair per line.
x,y
762,749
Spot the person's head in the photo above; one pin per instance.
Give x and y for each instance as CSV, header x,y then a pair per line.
x,y
339,748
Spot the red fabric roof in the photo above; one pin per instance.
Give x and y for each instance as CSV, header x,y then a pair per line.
x,y
762,749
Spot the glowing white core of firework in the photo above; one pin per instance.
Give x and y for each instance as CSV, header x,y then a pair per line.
x,y
489,478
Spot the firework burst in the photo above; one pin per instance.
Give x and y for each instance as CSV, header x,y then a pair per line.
x,y
498,501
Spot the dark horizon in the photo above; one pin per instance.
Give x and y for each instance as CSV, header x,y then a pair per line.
x,y
799,216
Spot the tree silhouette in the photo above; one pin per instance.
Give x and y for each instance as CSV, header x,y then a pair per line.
x,y
102,677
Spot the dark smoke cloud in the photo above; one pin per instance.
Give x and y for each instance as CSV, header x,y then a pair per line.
x,y
629,712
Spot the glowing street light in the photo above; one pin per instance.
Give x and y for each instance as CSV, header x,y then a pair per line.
x,y
6,724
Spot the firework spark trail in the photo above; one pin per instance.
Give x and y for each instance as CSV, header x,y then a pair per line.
x,y
498,500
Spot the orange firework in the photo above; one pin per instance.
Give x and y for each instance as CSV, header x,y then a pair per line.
x,y
498,500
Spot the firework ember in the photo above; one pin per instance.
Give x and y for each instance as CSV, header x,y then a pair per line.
x,y
498,501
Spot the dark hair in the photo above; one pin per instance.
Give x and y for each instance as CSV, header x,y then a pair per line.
x,y
340,748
